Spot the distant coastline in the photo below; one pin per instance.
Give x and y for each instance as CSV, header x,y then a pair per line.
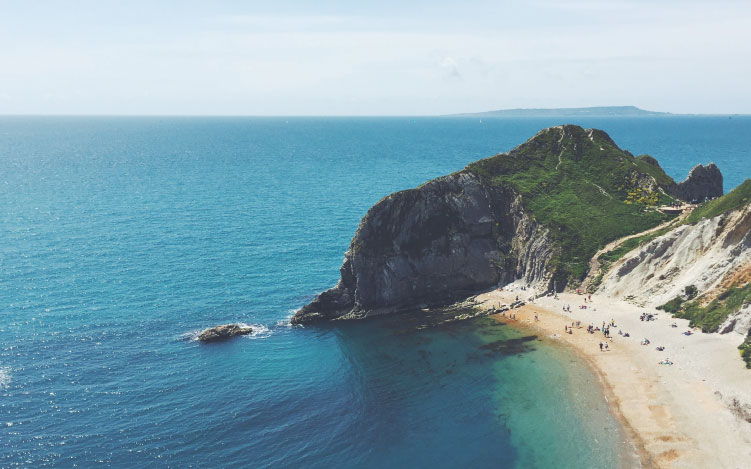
x,y
598,111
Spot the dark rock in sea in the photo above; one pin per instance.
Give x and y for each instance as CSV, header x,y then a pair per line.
x,y
223,332
703,182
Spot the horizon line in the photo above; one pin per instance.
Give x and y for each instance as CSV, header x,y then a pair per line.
x,y
453,115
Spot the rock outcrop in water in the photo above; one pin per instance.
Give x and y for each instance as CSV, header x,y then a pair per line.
x,y
519,215
223,332
703,182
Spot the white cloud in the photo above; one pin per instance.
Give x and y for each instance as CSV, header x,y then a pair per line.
x,y
282,22
675,59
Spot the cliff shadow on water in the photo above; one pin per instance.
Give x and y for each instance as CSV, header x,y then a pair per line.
x,y
471,393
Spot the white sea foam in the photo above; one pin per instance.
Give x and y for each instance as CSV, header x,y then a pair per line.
x,y
192,335
4,377
259,331
287,321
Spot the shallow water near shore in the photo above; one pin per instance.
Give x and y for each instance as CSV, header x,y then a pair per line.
x,y
123,237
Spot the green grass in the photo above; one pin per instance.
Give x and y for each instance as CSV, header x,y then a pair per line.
x,y
629,245
710,317
745,349
738,197
649,165
672,306
577,189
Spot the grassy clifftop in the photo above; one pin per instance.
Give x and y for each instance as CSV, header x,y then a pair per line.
x,y
738,197
585,189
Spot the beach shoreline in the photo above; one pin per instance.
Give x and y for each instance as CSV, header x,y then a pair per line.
x,y
688,414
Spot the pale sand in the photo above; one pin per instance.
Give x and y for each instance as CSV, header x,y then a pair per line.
x,y
679,415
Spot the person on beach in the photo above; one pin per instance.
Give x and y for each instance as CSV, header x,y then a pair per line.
x,y
600,346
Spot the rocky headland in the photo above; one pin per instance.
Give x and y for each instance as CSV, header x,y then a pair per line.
x,y
537,213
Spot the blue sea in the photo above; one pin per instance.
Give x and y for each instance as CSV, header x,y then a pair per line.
x,y
122,237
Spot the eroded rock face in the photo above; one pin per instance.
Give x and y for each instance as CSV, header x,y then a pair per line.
x,y
738,322
445,240
708,255
223,332
703,182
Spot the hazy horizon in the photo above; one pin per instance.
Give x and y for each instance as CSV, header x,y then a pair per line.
x,y
232,58
458,115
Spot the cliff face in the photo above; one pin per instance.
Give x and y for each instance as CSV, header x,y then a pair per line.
x,y
440,242
700,255
703,182
712,255
525,215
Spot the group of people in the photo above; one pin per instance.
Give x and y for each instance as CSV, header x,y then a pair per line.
x,y
605,328
511,316
570,330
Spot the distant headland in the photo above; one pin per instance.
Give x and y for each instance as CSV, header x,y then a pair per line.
x,y
600,111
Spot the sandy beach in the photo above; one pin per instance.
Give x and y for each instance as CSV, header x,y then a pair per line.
x,y
692,413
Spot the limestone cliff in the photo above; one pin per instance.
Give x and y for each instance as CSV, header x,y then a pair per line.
x,y
702,254
710,258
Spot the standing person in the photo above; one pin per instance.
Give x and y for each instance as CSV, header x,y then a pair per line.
x,y
600,346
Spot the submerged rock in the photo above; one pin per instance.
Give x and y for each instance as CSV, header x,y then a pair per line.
x,y
223,332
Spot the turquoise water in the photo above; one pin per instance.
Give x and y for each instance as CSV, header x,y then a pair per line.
x,y
121,237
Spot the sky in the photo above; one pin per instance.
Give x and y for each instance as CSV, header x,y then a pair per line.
x,y
336,57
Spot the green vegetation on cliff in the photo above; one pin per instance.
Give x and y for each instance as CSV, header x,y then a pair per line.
x,y
581,186
739,196
710,316
631,244
745,349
